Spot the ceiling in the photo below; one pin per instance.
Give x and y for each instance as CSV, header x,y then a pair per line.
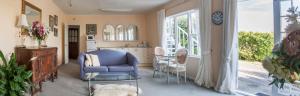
x,y
89,7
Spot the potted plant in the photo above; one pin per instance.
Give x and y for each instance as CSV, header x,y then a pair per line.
x,y
14,79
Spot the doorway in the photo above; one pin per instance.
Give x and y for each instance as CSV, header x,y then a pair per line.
x,y
253,78
256,40
73,41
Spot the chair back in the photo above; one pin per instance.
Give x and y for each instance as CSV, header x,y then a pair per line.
x,y
181,56
159,51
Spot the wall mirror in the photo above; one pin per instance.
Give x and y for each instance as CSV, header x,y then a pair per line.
x,y
120,33
109,33
32,12
132,33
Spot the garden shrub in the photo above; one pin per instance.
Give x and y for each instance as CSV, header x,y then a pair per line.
x,y
254,46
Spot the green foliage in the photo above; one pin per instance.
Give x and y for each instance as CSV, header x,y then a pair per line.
x,y
183,24
254,46
14,79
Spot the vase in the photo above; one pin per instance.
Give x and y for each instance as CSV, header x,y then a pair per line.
x,y
44,43
39,43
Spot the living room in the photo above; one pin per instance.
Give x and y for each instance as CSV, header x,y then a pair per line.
x,y
120,48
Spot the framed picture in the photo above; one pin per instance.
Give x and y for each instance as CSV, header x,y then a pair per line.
x,y
91,29
55,32
55,20
51,22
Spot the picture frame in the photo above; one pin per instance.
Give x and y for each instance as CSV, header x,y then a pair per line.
x,y
55,20
51,22
31,11
55,32
91,29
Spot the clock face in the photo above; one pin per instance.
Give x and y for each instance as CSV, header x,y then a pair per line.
x,y
217,17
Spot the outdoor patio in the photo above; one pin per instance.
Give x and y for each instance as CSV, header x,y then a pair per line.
x,y
253,78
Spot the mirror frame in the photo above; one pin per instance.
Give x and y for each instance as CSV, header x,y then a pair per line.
x,y
104,27
136,31
125,29
25,3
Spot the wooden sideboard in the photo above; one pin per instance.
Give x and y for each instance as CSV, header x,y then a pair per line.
x,y
43,67
144,55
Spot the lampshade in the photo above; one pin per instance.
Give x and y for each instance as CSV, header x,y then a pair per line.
x,y
22,21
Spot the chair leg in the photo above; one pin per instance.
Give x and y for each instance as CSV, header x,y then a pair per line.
x,y
160,72
153,73
185,76
177,77
130,74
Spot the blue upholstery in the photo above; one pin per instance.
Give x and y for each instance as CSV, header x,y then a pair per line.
x,y
121,68
111,61
96,69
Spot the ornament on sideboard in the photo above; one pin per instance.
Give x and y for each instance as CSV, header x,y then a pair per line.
x,y
23,24
39,33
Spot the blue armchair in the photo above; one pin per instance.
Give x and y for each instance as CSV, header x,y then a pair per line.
x,y
111,61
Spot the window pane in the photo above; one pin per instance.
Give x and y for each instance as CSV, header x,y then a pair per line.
x,y
182,31
171,42
194,42
285,5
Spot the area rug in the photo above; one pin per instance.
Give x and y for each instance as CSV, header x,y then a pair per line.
x,y
115,90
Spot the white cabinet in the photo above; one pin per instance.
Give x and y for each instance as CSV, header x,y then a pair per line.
x,y
144,55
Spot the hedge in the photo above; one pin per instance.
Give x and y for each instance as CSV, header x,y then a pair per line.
x,y
254,46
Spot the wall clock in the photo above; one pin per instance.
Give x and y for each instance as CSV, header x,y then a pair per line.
x,y
217,17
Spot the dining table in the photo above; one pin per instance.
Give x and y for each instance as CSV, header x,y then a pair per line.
x,y
168,58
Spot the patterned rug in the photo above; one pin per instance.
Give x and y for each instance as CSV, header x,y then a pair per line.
x,y
115,90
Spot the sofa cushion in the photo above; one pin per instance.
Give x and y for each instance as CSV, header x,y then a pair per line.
x,y
88,60
95,60
112,57
120,68
96,69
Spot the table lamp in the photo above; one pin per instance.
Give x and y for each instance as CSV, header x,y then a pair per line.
x,y
23,24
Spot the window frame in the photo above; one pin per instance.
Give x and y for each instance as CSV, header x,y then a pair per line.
x,y
189,29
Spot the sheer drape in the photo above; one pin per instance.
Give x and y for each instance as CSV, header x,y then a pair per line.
x,y
161,27
227,81
204,76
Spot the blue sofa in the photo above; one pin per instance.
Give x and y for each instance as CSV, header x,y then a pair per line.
x,y
112,62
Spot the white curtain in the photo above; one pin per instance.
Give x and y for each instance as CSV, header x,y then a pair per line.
x,y
204,76
227,81
161,27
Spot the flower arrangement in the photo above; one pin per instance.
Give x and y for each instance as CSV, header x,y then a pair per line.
x,y
38,31
284,63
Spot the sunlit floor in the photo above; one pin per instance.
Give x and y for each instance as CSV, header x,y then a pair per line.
x,y
253,78
69,84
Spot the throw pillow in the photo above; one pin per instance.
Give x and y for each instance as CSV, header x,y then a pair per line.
x,y
88,60
95,60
